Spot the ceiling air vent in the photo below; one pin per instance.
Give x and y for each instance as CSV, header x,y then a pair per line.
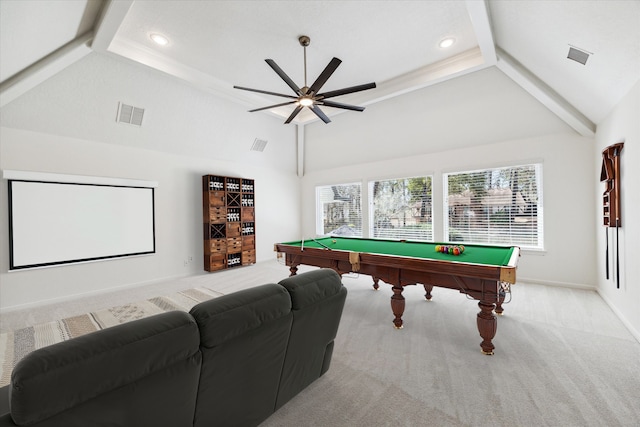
x,y
578,55
130,114
258,145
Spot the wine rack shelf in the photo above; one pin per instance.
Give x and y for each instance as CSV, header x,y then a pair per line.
x,y
229,222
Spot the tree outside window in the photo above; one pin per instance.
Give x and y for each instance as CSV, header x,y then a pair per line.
x,y
401,209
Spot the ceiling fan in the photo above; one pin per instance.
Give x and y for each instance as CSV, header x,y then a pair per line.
x,y
308,96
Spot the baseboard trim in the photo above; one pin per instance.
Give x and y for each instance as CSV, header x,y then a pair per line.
x,y
619,315
557,284
96,292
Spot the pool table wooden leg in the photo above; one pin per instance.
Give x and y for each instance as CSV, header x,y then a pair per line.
x,y
397,305
294,270
428,289
499,308
376,286
487,325
503,289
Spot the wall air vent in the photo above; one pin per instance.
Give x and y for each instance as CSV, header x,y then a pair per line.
x,y
130,114
578,55
258,144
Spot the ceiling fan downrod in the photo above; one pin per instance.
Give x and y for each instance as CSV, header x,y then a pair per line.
x,y
304,42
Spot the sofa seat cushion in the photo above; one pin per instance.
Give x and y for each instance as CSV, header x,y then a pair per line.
x,y
107,366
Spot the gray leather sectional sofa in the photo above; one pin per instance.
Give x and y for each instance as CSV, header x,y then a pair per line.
x,y
230,361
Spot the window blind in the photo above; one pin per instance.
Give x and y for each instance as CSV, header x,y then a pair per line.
x,y
401,209
339,210
495,206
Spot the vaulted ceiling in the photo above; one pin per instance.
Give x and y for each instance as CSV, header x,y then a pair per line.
x,y
215,45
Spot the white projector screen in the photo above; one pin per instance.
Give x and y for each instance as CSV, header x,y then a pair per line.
x,y
52,223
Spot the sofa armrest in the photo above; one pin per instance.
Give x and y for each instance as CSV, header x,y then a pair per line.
x,y
317,299
102,368
5,415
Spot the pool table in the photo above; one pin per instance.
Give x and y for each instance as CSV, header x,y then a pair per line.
x,y
483,272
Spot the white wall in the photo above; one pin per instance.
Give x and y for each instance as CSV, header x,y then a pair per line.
x,y
476,109
67,125
476,121
568,202
178,214
82,101
622,125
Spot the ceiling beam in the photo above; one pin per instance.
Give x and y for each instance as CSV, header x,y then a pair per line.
x,y
111,18
45,68
105,42
470,61
479,16
545,94
458,65
300,150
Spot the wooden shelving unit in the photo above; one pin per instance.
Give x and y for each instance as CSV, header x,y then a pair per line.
x,y
228,221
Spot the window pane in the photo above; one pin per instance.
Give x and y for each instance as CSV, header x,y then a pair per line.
x,y
495,206
401,209
338,210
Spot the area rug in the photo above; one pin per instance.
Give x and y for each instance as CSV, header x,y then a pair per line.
x,y
16,344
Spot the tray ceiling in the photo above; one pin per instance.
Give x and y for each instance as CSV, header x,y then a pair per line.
x,y
217,44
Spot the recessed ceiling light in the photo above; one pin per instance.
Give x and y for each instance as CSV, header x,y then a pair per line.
x,y
159,39
448,42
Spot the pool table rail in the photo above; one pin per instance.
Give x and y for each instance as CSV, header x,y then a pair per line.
x,y
341,261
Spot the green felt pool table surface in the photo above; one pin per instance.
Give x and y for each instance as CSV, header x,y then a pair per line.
x,y
476,254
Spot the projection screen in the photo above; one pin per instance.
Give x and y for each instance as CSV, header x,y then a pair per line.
x,y
53,223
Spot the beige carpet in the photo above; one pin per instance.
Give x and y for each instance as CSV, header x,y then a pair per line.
x,y
562,357
16,344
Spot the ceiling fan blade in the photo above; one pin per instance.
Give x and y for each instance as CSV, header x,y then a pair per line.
x,y
319,113
273,106
324,76
339,105
346,90
265,92
294,114
283,76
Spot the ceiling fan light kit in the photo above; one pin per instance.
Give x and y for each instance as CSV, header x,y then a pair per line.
x,y
309,97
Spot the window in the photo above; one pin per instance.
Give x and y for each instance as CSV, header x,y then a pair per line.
x,y
339,210
401,209
495,206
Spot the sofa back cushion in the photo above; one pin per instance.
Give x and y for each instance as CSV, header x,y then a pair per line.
x,y
139,373
244,338
317,299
